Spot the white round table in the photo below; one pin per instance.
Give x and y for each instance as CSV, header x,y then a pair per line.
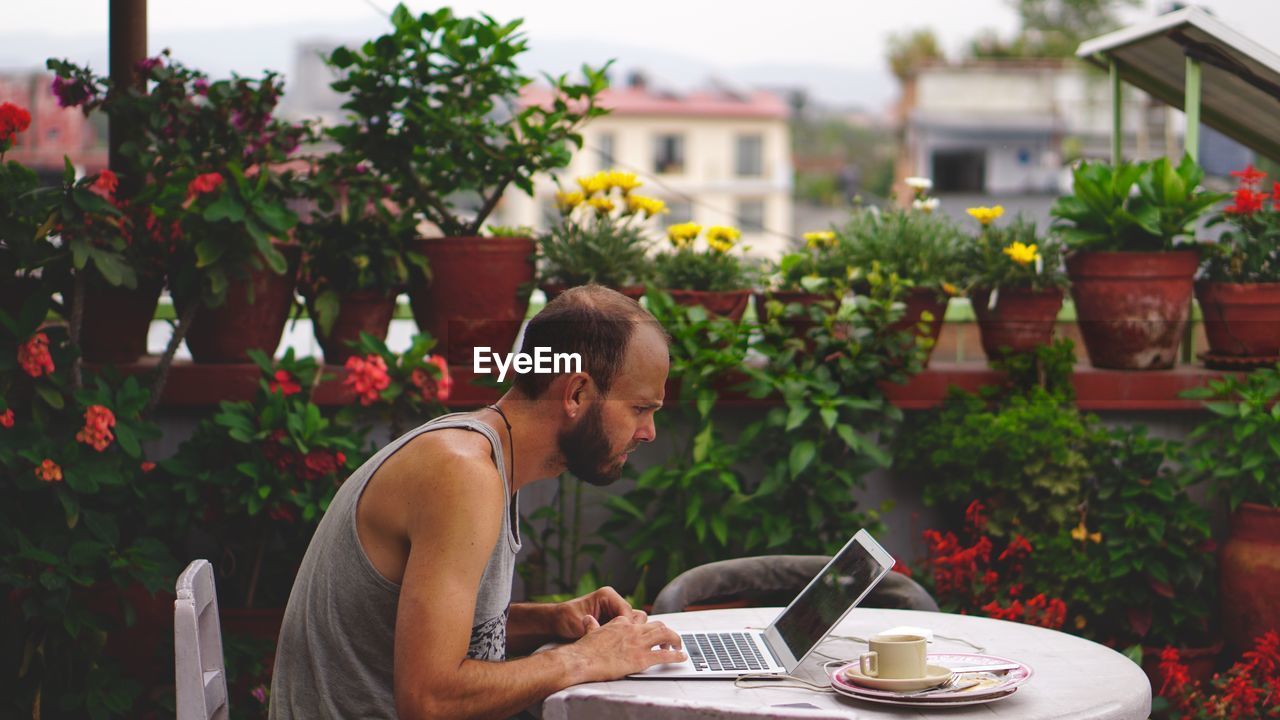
x,y
1074,678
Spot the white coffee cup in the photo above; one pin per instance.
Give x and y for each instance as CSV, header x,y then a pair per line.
x,y
895,657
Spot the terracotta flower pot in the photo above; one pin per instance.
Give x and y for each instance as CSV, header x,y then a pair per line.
x,y
362,311
1249,573
117,320
918,301
731,304
1241,320
1132,307
226,333
478,293
554,290
1022,320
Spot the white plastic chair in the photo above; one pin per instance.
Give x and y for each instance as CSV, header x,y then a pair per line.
x,y
197,646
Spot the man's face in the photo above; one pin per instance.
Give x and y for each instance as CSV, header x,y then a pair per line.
x,y
596,447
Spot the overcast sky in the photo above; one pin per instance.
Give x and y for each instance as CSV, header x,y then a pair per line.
x,y
711,36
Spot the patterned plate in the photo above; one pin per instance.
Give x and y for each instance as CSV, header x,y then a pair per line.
x,y
995,686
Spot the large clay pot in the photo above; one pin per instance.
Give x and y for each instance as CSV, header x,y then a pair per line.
x,y
554,290
1241,320
226,333
478,293
918,301
731,304
1249,572
117,320
1021,321
363,311
1132,307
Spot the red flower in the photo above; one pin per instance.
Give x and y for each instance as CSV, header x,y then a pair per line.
x,y
34,357
13,120
433,388
147,466
1249,176
1018,549
974,517
285,383
1246,202
203,184
281,512
98,421
367,377
6,418
49,471
319,463
105,185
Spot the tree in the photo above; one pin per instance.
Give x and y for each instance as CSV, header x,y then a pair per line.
x,y
1053,28
909,50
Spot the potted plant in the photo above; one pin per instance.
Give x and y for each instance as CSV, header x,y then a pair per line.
x,y
1015,280
450,86
24,239
1245,690
355,255
1237,450
600,237
915,244
203,165
1131,276
710,278
1239,291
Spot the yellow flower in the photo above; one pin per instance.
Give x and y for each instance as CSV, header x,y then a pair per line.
x,y
986,215
1081,533
567,201
647,205
1022,254
1081,622
624,181
360,261
602,205
722,238
820,239
593,184
682,235
950,289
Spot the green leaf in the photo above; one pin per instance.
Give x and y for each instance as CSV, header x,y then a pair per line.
x,y
102,526
226,207
50,396
326,307
829,417
802,454
209,251
128,440
720,528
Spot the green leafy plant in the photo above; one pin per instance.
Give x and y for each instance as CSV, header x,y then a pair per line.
x,y
259,474
355,240
1105,213
1249,250
400,390
1238,450
24,232
916,245
1013,256
435,108
688,268
601,236
73,524
817,268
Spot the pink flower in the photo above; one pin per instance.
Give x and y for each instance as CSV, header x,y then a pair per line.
x,y
260,694
105,185
433,388
49,471
285,383
70,92
98,421
34,357
145,66
201,86
367,377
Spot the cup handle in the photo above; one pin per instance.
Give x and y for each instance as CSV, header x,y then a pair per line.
x,y
869,664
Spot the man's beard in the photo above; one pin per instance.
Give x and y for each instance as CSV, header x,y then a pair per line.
x,y
586,450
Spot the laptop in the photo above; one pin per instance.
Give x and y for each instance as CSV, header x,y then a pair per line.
x,y
715,653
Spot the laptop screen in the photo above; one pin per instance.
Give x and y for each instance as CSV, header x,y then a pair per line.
x,y
842,584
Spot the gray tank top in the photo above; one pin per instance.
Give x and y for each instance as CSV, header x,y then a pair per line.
x,y
335,656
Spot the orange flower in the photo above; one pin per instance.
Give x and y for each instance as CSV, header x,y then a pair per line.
x,y
147,466
203,184
105,185
98,421
432,388
49,471
367,376
34,357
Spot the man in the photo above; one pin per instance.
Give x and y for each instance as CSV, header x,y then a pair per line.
x,y
402,606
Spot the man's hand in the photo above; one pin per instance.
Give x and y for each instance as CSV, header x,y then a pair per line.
x,y
620,647
603,605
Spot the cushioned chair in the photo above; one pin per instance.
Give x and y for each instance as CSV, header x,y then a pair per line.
x,y
197,646
775,580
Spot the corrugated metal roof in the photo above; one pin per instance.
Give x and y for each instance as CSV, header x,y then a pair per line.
x,y
1240,94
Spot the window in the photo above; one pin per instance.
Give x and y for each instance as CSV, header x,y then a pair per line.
x,y
751,215
678,211
750,156
604,152
668,154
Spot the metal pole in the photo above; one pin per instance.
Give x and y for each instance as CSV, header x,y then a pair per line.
x,y
128,47
1117,115
1191,143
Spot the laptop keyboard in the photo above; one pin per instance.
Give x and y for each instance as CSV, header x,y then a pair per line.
x,y
723,651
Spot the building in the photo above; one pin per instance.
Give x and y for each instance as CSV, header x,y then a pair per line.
x,y
717,157
56,132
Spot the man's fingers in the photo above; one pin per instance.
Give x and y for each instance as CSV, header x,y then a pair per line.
x,y
660,634
612,604
657,657
589,623
640,617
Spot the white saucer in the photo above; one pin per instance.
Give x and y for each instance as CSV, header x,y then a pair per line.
x,y
934,675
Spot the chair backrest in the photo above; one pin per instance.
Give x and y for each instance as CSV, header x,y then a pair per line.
x,y
197,646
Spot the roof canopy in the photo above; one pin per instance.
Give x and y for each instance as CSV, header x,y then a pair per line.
x,y
1240,85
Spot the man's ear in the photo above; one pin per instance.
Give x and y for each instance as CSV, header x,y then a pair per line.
x,y
578,391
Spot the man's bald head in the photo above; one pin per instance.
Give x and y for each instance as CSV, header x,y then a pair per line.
x,y
593,321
